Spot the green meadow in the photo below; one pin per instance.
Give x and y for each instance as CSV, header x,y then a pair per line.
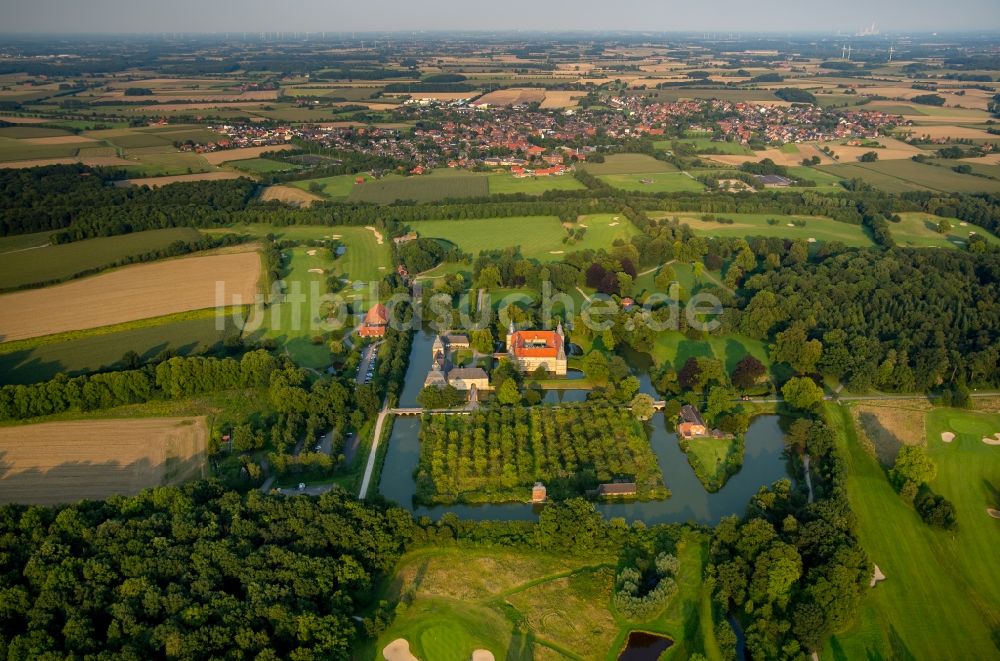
x,y
502,184
539,237
654,182
79,352
628,164
45,263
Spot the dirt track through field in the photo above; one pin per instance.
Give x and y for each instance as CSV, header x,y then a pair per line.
x,y
61,462
128,294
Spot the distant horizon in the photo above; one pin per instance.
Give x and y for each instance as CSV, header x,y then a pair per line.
x,y
191,17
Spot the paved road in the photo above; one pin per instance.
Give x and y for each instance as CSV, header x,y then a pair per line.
x,y
373,452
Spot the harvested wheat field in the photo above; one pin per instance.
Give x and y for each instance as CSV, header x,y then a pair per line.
x,y
156,182
288,195
86,160
561,99
131,293
511,97
63,462
218,157
948,131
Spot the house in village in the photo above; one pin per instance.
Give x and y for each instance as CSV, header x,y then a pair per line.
x,y
531,349
375,323
691,425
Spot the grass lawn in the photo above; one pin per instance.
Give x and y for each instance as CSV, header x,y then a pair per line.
x,y
338,187
898,176
531,605
825,182
941,599
704,144
790,148
263,165
295,320
506,184
44,264
653,182
540,237
748,225
674,348
919,230
41,359
628,164
361,261
711,454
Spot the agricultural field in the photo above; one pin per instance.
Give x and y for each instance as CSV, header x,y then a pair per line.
x,y
628,164
920,230
502,184
63,462
79,352
425,188
654,182
156,182
131,293
938,584
540,237
39,262
747,225
12,149
903,175
242,154
263,165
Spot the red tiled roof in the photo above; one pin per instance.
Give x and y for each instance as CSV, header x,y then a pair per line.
x,y
377,316
550,349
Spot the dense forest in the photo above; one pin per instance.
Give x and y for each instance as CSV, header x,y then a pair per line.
x,y
196,572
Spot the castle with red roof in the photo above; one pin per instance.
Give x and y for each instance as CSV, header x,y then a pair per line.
x,y
531,349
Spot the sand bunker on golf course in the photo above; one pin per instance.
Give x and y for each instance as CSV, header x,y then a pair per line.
x,y
992,440
947,436
398,650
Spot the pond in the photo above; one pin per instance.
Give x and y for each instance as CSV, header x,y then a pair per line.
x,y
764,464
643,646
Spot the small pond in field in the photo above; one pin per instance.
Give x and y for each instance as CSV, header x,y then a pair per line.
x,y
642,646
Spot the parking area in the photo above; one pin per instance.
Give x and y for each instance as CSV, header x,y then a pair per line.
x,y
366,368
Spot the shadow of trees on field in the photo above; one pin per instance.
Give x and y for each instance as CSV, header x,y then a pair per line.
x,y
887,444
72,481
44,363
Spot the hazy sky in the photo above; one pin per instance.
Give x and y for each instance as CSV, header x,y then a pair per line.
x,y
556,15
